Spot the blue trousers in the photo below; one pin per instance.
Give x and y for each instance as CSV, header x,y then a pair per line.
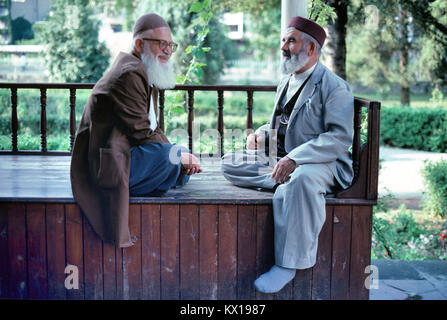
x,y
155,168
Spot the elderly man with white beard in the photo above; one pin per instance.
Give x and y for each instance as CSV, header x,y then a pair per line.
x,y
120,149
303,153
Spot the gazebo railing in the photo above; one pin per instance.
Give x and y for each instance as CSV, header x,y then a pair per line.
x,y
359,103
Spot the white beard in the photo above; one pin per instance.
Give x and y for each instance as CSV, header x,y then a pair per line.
x,y
295,63
160,74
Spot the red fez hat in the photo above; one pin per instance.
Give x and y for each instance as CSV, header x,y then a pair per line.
x,y
147,22
310,27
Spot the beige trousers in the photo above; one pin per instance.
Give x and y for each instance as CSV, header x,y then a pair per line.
x,y
299,206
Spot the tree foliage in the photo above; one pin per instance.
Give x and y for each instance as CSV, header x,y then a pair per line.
x,y
372,45
264,22
254,8
321,11
380,32
431,18
72,50
21,29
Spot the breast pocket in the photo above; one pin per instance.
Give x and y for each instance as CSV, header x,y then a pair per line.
x,y
312,118
111,167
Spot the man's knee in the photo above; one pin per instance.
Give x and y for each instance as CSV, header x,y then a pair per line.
x,y
308,176
302,176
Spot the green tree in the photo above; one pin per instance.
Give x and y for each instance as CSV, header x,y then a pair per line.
x,y
72,50
265,30
431,17
381,46
406,44
21,29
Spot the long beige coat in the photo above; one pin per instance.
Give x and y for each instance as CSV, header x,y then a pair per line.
x,y
115,119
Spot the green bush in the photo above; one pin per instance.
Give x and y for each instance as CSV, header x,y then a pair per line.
x,y
435,178
402,237
414,128
28,102
27,141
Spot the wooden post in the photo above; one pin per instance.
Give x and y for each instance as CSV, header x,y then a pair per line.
x,y
292,8
373,159
249,124
220,123
72,117
43,119
357,138
14,121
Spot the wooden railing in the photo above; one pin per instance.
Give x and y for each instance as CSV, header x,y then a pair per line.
x,y
73,87
372,107
43,87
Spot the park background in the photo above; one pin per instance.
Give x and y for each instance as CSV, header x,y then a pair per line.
x,y
390,51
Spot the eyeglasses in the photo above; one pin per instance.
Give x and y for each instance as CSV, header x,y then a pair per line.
x,y
163,44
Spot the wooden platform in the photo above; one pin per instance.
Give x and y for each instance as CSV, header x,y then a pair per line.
x,y
47,179
207,240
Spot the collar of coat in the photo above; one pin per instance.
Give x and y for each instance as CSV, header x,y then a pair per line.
x,y
306,92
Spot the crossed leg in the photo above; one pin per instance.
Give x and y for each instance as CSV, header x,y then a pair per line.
x,y
298,209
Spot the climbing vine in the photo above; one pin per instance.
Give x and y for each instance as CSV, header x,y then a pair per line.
x,y
194,72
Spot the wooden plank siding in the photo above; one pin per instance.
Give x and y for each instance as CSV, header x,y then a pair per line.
x,y
17,253
189,252
4,258
151,251
55,222
182,251
208,239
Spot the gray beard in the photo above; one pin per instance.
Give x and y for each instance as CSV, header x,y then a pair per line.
x,y
295,63
160,75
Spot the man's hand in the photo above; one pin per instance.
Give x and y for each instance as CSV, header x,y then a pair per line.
x,y
190,164
254,141
283,169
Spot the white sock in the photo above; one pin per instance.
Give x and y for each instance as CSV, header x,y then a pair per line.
x,y
275,279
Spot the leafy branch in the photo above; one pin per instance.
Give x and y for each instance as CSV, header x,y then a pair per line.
x,y
203,17
194,71
320,12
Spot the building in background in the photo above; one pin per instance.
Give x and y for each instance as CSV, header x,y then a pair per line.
x,y
247,69
21,62
31,10
235,23
112,34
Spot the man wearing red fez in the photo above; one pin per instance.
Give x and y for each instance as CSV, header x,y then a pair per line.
x,y
120,148
308,139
